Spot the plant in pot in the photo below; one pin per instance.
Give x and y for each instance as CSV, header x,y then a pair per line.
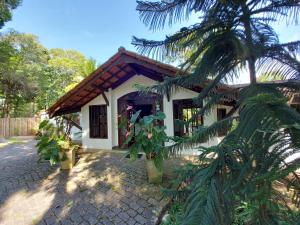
x,y
54,145
148,135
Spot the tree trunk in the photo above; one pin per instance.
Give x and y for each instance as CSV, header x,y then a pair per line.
x,y
249,43
6,108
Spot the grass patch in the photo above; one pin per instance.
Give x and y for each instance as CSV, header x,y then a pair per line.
x,y
12,140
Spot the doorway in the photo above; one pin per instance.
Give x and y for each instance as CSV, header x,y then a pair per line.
x,y
148,104
146,110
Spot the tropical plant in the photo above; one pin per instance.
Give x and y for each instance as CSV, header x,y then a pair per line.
x,y
265,77
234,36
147,135
53,142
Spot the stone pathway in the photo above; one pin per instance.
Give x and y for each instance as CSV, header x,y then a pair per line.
x,y
103,188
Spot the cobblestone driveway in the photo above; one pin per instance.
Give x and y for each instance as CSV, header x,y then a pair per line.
x,y
103,188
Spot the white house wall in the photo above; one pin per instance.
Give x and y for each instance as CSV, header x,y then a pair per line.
x,y
123,89
112,117
96,143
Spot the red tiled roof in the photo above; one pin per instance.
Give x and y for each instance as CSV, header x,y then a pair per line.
x,y
121,66
116,70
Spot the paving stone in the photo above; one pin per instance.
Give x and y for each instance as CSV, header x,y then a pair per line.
x,y
92,220
110,214
91,193
116,220
140,210
84,223
140,219
152,201
116,210
50,220
147,214
107,222
131,213
76,218
66,222
124,216
134,206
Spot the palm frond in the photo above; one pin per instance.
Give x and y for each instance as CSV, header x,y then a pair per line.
x,y
279,10
156,14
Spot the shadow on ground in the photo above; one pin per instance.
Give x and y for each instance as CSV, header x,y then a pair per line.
x,y
103,188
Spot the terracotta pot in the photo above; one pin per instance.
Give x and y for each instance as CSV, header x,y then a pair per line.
x,y
154,174
69,160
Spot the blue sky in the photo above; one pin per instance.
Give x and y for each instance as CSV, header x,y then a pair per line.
x,y
97,28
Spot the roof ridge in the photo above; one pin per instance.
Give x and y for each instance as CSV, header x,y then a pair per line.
x,y
123,50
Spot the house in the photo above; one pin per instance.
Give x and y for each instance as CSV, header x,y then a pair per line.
x,y
103,97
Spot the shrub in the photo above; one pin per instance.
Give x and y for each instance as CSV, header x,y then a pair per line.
x,y
52,141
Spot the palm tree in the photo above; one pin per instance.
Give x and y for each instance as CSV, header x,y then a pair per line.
x,y
243,177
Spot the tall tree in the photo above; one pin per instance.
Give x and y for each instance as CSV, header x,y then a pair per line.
x,y
33,77
24,60
254,156
6,6
64,70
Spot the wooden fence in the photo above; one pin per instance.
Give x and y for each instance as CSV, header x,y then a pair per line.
x,y
18,126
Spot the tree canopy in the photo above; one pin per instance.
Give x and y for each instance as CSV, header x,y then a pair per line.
x,y
6,7
33,77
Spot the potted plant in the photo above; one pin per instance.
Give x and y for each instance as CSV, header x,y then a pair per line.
x,y
55,146
67,154
148,135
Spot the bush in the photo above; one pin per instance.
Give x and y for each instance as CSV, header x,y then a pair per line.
x,y
174,213
51,142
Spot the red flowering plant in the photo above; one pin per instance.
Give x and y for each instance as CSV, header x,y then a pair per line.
x,y
147,135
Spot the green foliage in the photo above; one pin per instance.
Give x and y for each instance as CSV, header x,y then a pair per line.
x,y
148,136
6,6
267,77
174,214
32,77
53,142
23,59
180,187
245,167
64,70
237,180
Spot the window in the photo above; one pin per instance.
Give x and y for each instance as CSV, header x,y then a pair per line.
x,y
98,121
185,110
221,114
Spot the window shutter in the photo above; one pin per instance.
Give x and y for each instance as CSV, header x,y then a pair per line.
x,y
221,114
98,121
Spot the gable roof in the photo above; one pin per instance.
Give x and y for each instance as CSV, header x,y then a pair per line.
x,y
115,71
119,68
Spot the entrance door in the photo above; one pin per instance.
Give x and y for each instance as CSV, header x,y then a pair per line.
x,y
146,110
147,105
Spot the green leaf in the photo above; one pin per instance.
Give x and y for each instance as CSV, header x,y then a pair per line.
x,y
135,116
160,115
